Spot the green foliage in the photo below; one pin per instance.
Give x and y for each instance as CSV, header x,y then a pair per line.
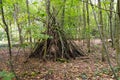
x,y
70,32
62,60
116,69
83,76
25,44
33,73
38,32
1,35
41,36
118,78
105,71
6,75
96,73
94,32
73,17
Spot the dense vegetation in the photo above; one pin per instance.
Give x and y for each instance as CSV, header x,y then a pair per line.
x,y
50,29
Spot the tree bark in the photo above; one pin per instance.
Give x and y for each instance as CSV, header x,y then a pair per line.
x,y
84,21
16,12
88,25
101,28
111,24
63,14
117,38
104,45
28,12
8,37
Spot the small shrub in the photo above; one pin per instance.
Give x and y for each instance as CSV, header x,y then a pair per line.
x,y
6,75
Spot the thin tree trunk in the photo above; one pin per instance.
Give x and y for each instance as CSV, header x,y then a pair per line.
x,y
101,28
84,21
10,31
16,23
48,15
63,14
117,38
88,25
20,33
8,37
28,12
102,39
111,26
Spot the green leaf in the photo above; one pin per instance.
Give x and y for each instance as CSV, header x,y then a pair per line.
x,y
6,75
2,73
118,78
7,78
35,3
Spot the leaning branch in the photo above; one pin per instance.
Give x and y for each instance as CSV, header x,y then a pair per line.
x,y
104,45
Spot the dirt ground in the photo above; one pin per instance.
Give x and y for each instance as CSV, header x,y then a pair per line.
x,y
89,67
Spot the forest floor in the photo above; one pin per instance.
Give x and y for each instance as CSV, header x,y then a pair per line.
x,y
89,67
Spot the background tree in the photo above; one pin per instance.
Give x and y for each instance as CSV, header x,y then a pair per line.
x,y
117,37
8,37
88,26
103,42
84,20
101,27
16,13
28,17
111,24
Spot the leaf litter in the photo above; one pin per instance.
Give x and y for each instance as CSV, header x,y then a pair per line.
x,y
88,67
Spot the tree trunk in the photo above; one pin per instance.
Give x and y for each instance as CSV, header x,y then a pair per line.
x,y
84,21
111,26
28,12
104,45
117,38
101,28
63,14
8,38
88,25
16,12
